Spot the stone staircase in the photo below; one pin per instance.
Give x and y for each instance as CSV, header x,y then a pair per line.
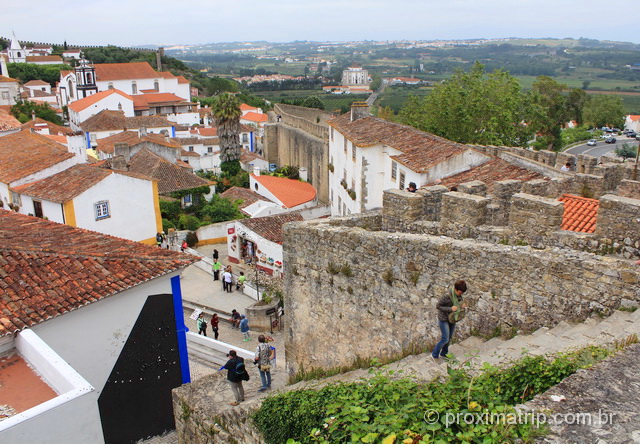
x,y
544,341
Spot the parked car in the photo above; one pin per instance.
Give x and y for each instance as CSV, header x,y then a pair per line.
x,y
592,142
610,140
631,134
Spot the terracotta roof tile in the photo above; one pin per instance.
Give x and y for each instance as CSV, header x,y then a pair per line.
x,y
255,117
580,213
39,123
288,191
420,151
248,156
491,172
270,227
245,107
47,58
166,75
25,153
64,186
132,138
7,79
182,80
48,269
247,196
170,177
126,71
86,102
8,122
36,83
107,120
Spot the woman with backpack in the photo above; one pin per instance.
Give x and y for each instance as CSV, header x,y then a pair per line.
x,y
263,359
202,324
236,373
451,309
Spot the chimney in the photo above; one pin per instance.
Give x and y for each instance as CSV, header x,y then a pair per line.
x,y
256,171
33,115
303,174
143,131
118,163
159,54
359,110
121,149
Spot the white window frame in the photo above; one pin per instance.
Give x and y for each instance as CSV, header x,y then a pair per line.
x,y
101,210
394,170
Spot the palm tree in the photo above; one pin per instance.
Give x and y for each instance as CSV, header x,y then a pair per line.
x,y
226,111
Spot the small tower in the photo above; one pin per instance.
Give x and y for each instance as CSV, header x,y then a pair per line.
x,y
16,53
86,79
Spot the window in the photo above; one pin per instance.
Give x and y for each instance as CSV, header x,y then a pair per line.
x,y
156,85
70,88
16,199
37,209
353,152
209,149
345,145
332,134
89,78
331,196
245,138
5,95
186,200
353,184
110,85
102,210
191,149
344,175
401,184
134,87
339,205
394,170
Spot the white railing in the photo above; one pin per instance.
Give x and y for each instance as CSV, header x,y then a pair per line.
x,y
212,350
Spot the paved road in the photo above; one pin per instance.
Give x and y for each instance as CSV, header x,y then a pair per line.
x,y
601,148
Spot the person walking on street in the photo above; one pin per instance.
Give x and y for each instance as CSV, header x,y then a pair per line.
x,y
263,359
236,373
216,267
244,327
214,325
451,309
202,325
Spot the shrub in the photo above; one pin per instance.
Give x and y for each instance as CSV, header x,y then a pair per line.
x,y
166,224
188,222
192,239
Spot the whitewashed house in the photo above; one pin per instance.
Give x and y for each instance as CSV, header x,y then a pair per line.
x,y
368,155
111,100
109,123
95,321
96,199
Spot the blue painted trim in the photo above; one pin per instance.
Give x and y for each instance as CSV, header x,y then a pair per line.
x,y
253,149
173,131
181,329
88,140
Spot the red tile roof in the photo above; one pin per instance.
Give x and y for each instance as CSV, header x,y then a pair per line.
x,y
25,153
8,122
36,83
247,196
48,269
132,138
170,177
126,71
491,172
143,101
270,227
68,184
245,107
207,132
47,58
248,156
420,151
39,123
580,213
86,102
107,120
288,191
7,79
182,80
255,117
166,75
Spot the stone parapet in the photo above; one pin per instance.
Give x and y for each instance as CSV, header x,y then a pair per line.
x,y
533,217
629,188
619,220
463,209
401,208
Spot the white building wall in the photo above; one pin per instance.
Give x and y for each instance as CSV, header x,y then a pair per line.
x,y
51,210
265,247
455,165
91,338
189,119
113,102
131,206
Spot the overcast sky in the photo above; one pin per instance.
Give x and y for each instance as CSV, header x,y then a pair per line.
x,y
168,22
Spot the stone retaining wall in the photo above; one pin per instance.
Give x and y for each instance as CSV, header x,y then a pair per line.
x,y
374,293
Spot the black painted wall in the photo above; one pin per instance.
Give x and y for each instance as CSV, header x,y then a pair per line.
x,y
136,400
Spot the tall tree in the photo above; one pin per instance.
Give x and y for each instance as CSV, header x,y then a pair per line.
x,y
549,111
472,107
226,111
604,110
575,102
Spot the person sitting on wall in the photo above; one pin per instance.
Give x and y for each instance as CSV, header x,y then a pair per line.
x,y
412,187
235,319
566,167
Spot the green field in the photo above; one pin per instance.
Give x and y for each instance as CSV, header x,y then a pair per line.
x,y
331,102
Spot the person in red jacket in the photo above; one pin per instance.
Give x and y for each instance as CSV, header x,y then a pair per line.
x,y
214,325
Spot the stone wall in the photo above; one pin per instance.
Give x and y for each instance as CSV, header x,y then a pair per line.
x,y
301,142
374,293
